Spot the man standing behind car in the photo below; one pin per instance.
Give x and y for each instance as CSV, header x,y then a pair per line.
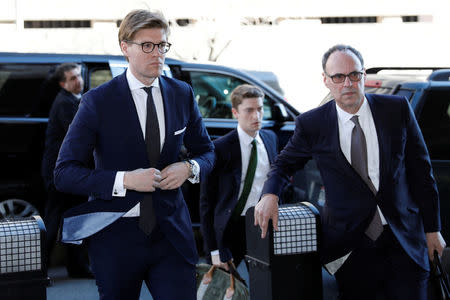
x,y
243,158
63,109
380,222
136,223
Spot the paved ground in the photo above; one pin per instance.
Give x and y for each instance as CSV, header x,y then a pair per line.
x,y
64,288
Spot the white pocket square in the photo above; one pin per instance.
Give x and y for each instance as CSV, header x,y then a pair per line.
x,y
179,131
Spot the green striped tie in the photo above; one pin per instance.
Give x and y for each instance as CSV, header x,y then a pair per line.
x,y
248,182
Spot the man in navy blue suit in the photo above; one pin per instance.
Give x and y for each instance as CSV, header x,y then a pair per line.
x,y
136,223
380,222
234,185
64,107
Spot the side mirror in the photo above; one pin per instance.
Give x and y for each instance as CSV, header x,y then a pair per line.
x,y
279,113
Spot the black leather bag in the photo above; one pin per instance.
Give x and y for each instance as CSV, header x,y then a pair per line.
x,y
439,288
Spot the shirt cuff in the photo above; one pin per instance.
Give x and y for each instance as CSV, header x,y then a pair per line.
x,y
195,172
215,252
118,189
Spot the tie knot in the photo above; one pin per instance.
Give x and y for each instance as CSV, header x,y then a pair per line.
x,y
147,89
355,120
254,143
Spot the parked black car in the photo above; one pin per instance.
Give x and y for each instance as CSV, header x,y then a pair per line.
x,y
27,92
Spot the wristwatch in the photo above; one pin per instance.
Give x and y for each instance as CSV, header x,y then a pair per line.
x,y
191,166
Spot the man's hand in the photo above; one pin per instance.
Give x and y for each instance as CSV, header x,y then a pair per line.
x,y
215,259
174,175
267,208
142,180
435,241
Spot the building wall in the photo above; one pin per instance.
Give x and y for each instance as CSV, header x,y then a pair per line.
x,y
287,39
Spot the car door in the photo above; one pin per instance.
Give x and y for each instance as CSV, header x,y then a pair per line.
x,y
27,91
26,94
434,121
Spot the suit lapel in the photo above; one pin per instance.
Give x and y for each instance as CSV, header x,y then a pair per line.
x,y
127,104
383,141
269,145
168,99
341,160
236,158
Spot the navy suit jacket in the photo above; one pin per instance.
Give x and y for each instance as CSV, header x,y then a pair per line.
x,y
107,125
61,115
407,193
219,191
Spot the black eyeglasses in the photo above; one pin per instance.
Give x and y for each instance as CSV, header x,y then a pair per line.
x,y
148,47
340,78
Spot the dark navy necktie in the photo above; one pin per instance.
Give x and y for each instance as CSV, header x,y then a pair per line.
x,y
147,219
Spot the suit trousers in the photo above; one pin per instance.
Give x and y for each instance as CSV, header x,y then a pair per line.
x,y
234,239
122,256
57,203
381,270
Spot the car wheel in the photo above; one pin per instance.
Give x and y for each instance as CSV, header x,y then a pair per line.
x,y
17,208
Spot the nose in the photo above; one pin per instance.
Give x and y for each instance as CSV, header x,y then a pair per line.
x,y
156,52
256,115
347,81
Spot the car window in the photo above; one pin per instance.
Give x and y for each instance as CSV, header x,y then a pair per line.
x,y
435,124
99,76
213,94
26,89
408,94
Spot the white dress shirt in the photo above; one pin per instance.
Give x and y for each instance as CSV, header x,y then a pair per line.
x,y
373,155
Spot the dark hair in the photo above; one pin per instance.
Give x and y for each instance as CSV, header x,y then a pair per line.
x,y
60,71
245,91
341,47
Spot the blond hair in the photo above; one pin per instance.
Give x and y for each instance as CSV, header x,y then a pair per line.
x,y
139,19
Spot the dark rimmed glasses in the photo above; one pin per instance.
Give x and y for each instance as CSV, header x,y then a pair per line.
x,y
147,47
340,78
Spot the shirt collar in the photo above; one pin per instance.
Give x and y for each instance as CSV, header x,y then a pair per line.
x,y
135,84
344,116
247,139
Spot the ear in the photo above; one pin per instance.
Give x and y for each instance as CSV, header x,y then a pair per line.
x,y
325,79
62,84
124,48
235,112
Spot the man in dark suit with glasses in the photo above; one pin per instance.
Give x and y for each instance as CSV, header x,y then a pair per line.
x,y
380,222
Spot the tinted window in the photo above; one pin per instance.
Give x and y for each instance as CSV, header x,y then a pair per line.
x,y
99,76
213,95
435,124
408,94
25,90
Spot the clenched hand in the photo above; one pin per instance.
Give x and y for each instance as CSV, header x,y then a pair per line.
x,y
142,180
174,175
